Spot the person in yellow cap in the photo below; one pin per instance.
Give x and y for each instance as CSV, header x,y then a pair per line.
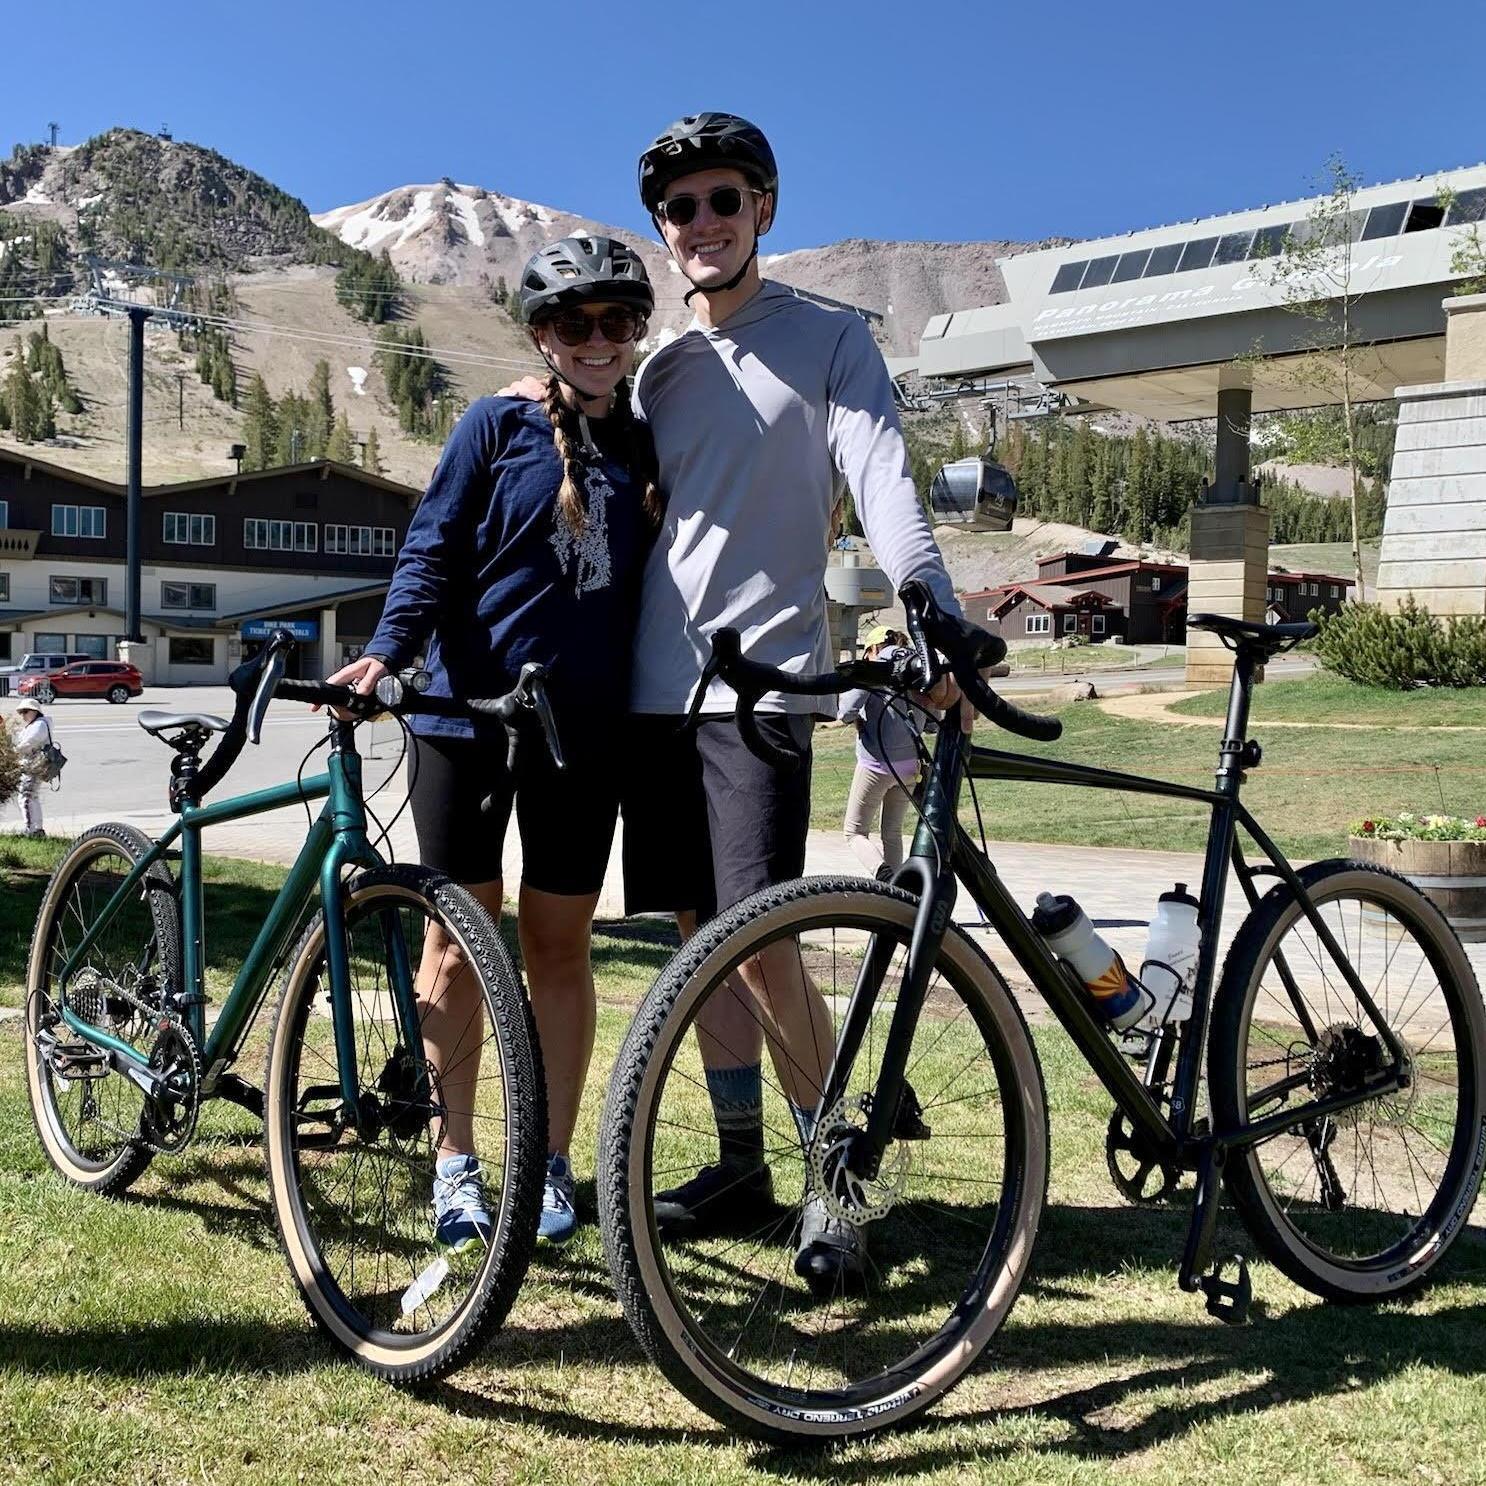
x,y
888,731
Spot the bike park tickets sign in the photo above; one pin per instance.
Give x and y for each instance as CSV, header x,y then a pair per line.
x,y
300,629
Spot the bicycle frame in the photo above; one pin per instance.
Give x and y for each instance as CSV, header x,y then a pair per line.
x,y
942,850
336,839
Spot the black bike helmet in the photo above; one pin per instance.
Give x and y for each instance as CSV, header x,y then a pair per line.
x,y
702,142
579,270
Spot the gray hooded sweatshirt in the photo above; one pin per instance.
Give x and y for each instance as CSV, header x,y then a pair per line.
x,y
756,423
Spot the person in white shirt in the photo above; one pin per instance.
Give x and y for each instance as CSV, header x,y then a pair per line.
x,y
33,733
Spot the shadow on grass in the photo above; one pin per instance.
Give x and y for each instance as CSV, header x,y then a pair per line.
x,y
1313,1351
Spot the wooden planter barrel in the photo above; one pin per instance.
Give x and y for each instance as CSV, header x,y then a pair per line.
x,y
1451,874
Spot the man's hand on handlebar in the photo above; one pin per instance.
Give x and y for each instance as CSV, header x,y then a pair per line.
x,y
361,676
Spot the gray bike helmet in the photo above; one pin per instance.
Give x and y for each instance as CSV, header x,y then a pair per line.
x,y
580,270
703,142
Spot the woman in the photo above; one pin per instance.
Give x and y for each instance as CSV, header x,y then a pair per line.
x,y
528,546
888,731
33,733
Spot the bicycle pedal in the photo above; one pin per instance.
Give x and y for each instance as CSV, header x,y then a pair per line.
x,y
1229,1300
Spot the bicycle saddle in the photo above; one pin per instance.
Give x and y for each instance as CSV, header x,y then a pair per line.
x,y
1266,637
154,720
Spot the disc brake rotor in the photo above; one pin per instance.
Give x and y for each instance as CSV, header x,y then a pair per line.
x,y
846,1193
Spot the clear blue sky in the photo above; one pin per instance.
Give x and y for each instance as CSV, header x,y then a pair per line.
x,y
952,120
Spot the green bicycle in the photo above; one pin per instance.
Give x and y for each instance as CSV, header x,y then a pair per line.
x,y
384,1048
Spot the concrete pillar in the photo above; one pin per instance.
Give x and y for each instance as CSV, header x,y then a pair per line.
x,y
1228,573
1231,468
329,646
1434,535
141,654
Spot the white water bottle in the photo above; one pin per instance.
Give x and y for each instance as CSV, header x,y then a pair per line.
x,y
1065,927
1170,964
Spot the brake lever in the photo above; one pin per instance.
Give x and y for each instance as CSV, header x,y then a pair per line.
x,y
531,685
273,673
727,649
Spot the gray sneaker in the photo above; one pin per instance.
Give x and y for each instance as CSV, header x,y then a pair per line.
x,y
831,1254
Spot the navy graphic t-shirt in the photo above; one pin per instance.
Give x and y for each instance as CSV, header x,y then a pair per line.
x,y
491,576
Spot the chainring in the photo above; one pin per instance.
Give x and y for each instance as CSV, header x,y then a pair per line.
x,y
1131,1165
846,1194
168,1120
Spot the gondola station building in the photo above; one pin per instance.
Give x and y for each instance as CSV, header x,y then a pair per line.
x,y
224,560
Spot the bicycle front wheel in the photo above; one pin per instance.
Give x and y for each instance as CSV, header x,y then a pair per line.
x,y
354,1190
1363,1204
946,1226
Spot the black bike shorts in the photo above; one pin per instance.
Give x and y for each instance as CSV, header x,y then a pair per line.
x,y
706,822
566,819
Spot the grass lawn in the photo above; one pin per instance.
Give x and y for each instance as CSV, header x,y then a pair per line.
x,y
1075,659
1326,698
159,1339
1311,785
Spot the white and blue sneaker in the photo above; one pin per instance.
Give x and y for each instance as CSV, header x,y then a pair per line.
x,y
459,1212
558,1217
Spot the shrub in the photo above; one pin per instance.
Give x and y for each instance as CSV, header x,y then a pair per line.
x,y
1406,826
1409,648
10,766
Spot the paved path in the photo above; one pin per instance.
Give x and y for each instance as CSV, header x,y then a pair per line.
x,y
1157,707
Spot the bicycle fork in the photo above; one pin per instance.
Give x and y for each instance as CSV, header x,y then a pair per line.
x,y
894,1111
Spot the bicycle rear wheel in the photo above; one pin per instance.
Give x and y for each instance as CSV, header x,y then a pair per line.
x,y
1362,1205
353,1197
87,1112
955,1207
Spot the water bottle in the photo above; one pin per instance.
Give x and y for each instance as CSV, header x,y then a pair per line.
x,y
1065,927
1170,963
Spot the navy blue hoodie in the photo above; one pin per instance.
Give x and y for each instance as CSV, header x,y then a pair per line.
x,y
490,576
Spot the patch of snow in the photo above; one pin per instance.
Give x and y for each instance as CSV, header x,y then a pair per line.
x,y
465,206
37,197
673,266
90,200
357,375
367,226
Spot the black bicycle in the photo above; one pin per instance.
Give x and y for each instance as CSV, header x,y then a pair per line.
x,y
1344,1109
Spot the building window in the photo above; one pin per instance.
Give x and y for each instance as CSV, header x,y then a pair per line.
x,y
185,528
1336,592
77,590
280,536
1039,624
188,595
4,588
79,521
1156,583
1070,623
4,514
1315,590
188,650
1096,624
361,541
990,613
95,645
41,641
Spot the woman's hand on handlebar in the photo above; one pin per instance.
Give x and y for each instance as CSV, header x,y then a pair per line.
x,y
361,676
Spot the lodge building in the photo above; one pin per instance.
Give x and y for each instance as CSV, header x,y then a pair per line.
x,y
1140,602
223,560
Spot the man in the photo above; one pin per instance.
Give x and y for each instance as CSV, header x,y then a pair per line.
x,y
758,412
33,733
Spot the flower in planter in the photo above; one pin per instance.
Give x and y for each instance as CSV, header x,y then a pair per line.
x,y
1406,826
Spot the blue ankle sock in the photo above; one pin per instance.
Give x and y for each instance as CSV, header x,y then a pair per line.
x,y
737,1096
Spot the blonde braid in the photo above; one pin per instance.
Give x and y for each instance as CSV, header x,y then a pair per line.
x,y
570,492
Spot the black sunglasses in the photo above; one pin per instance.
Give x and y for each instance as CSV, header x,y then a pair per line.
x,y
618,326
726,201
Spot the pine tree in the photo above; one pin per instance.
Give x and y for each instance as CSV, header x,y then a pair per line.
x,y
371,454
321,417
341,446
23,401
1139,489
261,429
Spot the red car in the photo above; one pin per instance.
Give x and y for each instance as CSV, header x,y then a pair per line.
x,y
86,678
